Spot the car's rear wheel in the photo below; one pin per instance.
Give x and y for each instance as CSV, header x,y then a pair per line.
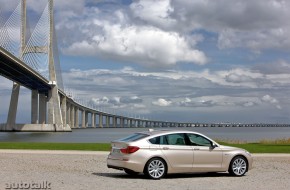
x,y
155,168
130,172
238,166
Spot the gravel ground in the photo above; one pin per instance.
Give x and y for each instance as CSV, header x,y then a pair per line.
x,y
75,170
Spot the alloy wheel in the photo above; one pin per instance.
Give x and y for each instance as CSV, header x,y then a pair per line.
x,y
156,168
239,166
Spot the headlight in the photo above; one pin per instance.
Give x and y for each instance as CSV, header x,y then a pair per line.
x,y
247,152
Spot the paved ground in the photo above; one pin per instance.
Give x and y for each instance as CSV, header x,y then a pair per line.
x,y
74,170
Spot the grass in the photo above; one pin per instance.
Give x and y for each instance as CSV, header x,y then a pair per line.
x,y
56,146
264,146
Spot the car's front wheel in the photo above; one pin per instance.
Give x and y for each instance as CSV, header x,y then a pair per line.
x,y
238,166
155,168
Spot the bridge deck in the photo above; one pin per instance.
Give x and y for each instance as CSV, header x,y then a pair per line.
x,y
17,71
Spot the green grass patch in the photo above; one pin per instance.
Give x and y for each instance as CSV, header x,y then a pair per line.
x,y
262,148
251,147
56,146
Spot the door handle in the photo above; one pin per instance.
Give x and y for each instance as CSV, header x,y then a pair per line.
x,y
196,149
165,148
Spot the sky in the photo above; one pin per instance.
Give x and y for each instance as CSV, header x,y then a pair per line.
x,y
172,60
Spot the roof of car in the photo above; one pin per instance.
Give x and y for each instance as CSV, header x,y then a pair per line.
x,y
165,131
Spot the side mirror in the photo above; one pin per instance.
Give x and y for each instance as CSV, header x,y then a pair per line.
x,y
213,145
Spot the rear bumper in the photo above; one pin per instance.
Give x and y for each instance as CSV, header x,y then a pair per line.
x,y
115,167
120,164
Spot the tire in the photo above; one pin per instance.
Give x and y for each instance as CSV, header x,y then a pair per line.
x,y
155,168
238,166
130,172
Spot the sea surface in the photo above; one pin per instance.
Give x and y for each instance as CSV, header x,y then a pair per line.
x,y
249,134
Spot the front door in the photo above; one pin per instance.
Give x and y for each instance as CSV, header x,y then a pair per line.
x,y
205,158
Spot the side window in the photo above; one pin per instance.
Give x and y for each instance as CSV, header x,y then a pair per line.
x,y
163,140
159,140
155,140
197,140
175,139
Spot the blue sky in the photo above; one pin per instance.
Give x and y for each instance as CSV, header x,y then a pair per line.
x,y
178,60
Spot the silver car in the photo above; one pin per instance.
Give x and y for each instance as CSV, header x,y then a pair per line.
x,y
159,152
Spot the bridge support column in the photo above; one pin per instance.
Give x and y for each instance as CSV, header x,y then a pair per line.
x,y
64,109
93,115
83,118
86,119
72,115
76,125
67,114
11,120
114,121
54,112
42,109
100,120
34,107
107,121
121,122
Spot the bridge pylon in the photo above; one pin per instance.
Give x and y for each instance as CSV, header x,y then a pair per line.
x,y
46,112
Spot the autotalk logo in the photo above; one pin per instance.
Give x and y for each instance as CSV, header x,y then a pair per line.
x,y
30,185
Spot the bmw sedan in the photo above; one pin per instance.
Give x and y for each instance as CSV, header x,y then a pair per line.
x,y
159,152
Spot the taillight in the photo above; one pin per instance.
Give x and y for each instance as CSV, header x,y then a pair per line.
x,y
129,149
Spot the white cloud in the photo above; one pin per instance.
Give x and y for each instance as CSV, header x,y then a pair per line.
x,y
163,33
148,46
257,41
162,102
101,101
268,98
156,12
233,88
257,25
219,101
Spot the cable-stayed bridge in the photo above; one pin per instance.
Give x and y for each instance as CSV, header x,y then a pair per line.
x,y
30,59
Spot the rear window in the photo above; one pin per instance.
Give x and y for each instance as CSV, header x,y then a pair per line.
x,y
134,137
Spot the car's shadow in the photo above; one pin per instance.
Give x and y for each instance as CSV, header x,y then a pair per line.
x,y
169,176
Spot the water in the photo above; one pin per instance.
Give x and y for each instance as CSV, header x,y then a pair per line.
x,y
250,134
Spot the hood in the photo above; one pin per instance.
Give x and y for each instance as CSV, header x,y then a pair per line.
x,y
229,148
